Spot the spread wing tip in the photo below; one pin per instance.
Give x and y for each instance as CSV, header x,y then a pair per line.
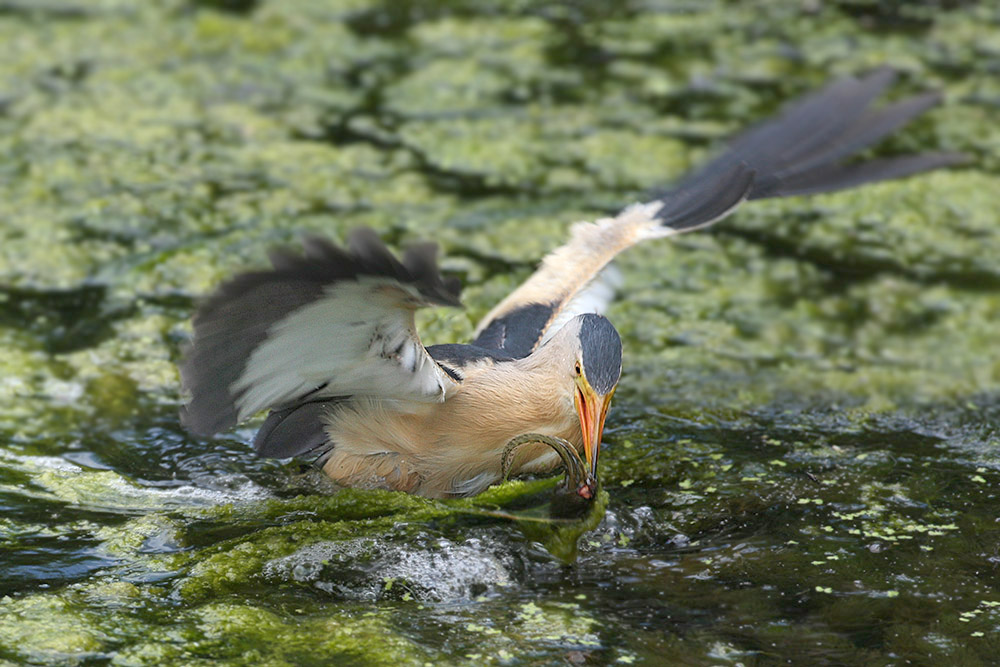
x,y
267,338
803,149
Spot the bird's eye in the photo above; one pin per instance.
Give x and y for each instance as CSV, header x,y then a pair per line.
x,y
578,371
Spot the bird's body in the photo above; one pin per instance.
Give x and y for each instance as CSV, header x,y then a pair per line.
x,y
453,447
327,342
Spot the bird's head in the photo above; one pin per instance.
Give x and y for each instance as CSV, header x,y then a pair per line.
x,y
596,368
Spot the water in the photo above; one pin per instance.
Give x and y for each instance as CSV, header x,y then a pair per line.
x,y
801,460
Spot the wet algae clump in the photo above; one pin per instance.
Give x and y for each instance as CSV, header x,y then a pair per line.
x,y
802,460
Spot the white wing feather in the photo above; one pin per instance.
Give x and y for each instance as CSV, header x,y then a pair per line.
x,y
358,339
327,322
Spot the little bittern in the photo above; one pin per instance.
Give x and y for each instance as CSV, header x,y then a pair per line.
x,y
326,339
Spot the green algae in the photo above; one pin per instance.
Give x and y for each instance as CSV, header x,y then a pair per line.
x,y
326,520
801,461
47,627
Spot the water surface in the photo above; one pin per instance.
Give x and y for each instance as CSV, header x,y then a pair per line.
x,y
801,461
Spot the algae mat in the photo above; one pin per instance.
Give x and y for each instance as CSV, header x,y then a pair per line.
x,y
802,461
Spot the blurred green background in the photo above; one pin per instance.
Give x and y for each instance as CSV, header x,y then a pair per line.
x,y
802,458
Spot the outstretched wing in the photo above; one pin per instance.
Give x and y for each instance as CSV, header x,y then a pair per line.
x,y
329,322
800,152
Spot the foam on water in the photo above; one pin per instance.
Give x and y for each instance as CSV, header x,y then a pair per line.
x,y
368,569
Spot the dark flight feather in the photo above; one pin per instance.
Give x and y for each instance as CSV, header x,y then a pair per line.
x,y
799,152
293,431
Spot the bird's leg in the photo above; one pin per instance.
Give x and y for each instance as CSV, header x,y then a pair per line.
x,y
388,470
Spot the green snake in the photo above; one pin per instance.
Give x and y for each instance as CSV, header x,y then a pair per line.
x,y
576,468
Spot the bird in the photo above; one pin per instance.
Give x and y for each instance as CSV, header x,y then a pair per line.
x,y
325,339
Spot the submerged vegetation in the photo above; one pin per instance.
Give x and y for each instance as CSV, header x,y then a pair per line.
x,y
801,463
